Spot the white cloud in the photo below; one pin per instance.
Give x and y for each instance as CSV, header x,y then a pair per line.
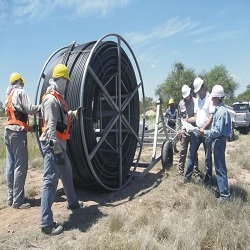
x,y
26,9
88,7
169,28
217,37
203,30
23,10
148,54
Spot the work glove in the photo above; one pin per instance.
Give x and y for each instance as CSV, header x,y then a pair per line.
x,y
77,112
58,152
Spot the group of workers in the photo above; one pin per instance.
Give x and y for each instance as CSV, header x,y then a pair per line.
x,y
55,132
208,113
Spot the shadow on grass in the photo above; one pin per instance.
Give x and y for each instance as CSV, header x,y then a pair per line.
x,y
85,217
36,202
238,192
135,188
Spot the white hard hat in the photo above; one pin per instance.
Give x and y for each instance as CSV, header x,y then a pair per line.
x,y
197,84
217,91
185,91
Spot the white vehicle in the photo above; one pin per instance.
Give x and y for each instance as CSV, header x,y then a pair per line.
x,y
242,116
141,127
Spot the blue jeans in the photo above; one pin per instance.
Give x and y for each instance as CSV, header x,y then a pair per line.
x,y
219,146
52,171
185,140
195,143
16,165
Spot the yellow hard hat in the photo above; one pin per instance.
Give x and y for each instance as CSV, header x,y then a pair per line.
x,y
16,76
61,70
171,101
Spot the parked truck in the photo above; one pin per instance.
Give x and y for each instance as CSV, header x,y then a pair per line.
x,y
242,116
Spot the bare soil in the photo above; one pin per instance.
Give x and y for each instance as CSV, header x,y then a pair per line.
x,y
96,203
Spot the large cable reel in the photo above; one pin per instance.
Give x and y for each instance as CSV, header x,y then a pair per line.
x,y
105,147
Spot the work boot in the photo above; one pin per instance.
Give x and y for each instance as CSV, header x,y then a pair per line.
x,y
22,206
186,180
198,178
223,199
52,229
207,183
76,205
180,173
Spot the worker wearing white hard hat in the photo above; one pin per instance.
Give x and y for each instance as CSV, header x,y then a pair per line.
x,y
198,82
203,116
220,129
185,111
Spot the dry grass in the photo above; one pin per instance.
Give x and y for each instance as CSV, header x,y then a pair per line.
x,y
157,212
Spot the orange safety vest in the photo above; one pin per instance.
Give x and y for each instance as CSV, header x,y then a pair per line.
x,y
65,135
11,118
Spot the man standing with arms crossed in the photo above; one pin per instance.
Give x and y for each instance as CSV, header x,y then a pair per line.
x,y
203,116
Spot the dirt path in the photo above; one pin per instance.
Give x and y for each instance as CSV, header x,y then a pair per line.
x,y
16,221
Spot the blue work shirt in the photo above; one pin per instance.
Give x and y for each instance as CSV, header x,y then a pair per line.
x,y
221,124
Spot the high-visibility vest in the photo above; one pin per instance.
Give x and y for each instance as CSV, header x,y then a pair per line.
x,y
13,115
65,135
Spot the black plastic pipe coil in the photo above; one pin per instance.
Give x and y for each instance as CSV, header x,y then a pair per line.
x,y
99,142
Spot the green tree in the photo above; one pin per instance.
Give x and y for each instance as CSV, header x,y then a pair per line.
x,y
149,104
171,87
245,96
220,75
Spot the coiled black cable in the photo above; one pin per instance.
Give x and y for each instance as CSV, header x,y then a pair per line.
x,y
104,139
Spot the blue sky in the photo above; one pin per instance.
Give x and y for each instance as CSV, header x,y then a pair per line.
x,y
198,33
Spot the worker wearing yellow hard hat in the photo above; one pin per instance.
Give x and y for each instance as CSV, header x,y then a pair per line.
x,y
15,77
171,101
18,107
55,133
171,114
60,70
